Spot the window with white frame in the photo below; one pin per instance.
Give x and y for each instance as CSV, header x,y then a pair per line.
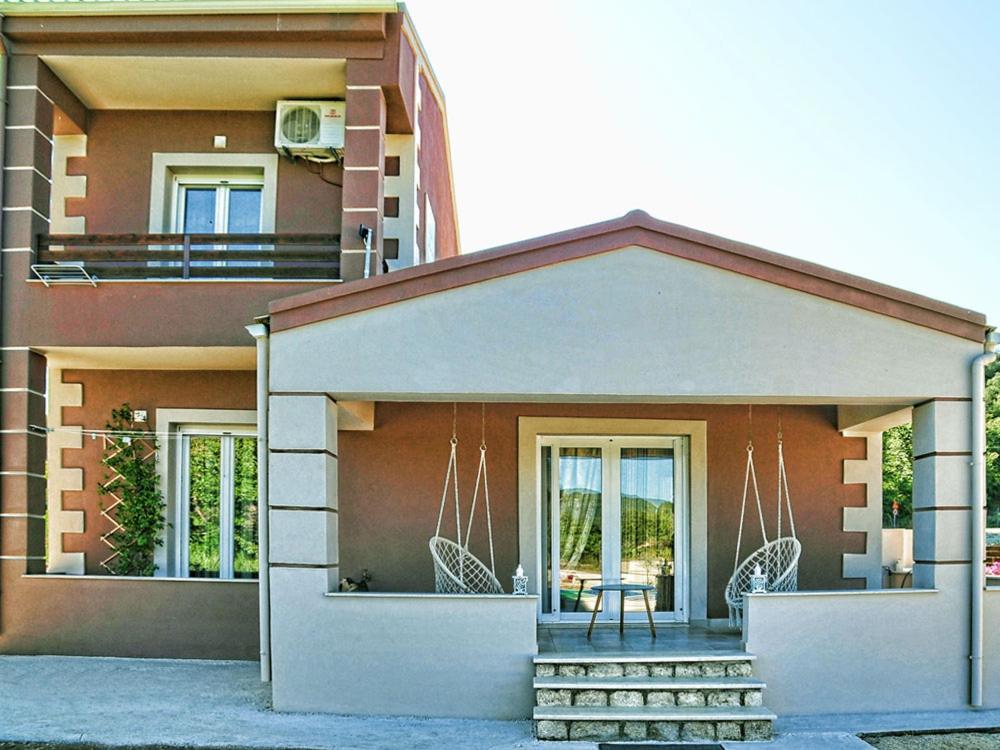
x,y
218,204
216,514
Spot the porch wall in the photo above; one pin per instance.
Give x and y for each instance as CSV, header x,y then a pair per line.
x,y
892,650
391,480
135,617
991,647
412,654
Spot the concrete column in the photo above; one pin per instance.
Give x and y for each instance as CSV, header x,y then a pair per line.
x,y
22,460
942,479
302,482
868,517
364,163
62,479
304,549
32,93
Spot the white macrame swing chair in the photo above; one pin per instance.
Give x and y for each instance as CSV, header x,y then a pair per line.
x,y
456,570
778,559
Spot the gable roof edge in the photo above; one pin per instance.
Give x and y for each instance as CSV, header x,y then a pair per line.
x,y
634,228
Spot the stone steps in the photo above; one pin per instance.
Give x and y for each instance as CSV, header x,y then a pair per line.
x,y
654,696
670,723
647,683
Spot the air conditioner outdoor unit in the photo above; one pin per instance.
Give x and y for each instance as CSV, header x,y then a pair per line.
x,y
313,130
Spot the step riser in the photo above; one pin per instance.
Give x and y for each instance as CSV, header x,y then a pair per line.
x,y
690,698
653,730
650,669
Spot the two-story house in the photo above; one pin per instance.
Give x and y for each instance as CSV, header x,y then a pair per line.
x,y
169,169
223,213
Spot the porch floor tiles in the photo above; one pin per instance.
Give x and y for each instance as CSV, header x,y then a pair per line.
x,y
671,640
210,703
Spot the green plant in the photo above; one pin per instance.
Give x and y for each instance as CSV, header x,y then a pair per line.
x,y
993,443
897,461
138,503
897,475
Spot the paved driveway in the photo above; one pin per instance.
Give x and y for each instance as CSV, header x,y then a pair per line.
x,y
167,702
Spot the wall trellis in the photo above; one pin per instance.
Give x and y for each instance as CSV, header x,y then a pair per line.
x,y
117,444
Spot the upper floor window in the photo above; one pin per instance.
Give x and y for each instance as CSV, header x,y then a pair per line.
x,y
218,205
213,193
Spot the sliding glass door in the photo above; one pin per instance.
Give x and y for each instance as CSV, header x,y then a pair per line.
x,y
613,509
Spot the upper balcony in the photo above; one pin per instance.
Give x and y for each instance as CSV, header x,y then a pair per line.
x,y
69,258
174,175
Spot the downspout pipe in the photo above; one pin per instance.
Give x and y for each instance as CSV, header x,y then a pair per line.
x,y
261,334
979,517
4,65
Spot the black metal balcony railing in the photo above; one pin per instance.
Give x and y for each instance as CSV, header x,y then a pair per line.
x,y
195,256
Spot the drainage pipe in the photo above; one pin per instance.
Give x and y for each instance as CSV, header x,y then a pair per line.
x,y
260,332
4,65
978,518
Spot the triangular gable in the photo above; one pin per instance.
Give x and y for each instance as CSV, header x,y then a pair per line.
x,y
636,228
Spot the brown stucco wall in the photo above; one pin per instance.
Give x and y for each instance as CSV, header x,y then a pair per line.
x,y
118,167
169,619
435,173
391,480
104,390
132,617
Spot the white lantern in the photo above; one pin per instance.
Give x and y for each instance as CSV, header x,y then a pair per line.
x,y
758,581
520,582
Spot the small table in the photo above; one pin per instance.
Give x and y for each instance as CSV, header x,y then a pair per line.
x,y
624,588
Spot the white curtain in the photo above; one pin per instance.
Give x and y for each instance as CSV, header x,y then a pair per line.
x,y
580,500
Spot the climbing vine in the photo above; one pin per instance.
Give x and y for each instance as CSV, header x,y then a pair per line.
x,y
137,503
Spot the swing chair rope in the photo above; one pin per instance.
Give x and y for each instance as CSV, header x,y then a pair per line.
x,y
783,482
451,478
778,559
456,569
783,487
482,480
749,477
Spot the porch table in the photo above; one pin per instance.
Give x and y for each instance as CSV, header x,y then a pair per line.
x,y
624,588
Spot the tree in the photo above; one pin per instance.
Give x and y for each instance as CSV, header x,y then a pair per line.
x,y
897,461
993,443
897,475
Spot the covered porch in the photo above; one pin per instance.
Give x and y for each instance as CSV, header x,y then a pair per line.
x,y
583,360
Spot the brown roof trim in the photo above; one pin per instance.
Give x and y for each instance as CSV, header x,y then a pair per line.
x,y
635,228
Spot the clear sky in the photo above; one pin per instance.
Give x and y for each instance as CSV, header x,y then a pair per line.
x,y
863,136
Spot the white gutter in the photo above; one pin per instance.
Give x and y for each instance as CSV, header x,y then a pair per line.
x,y
260,332
979,517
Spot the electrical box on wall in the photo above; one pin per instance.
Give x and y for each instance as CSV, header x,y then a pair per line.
x,y
139,415
310,129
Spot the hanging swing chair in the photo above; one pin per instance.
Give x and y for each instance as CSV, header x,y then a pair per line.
x,y
456,570
778,559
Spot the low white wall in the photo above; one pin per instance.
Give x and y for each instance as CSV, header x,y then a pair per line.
x,y
846,652
991,647
406,654
897,544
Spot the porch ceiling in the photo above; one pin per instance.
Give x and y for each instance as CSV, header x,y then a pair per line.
x,y
200,83
151,358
